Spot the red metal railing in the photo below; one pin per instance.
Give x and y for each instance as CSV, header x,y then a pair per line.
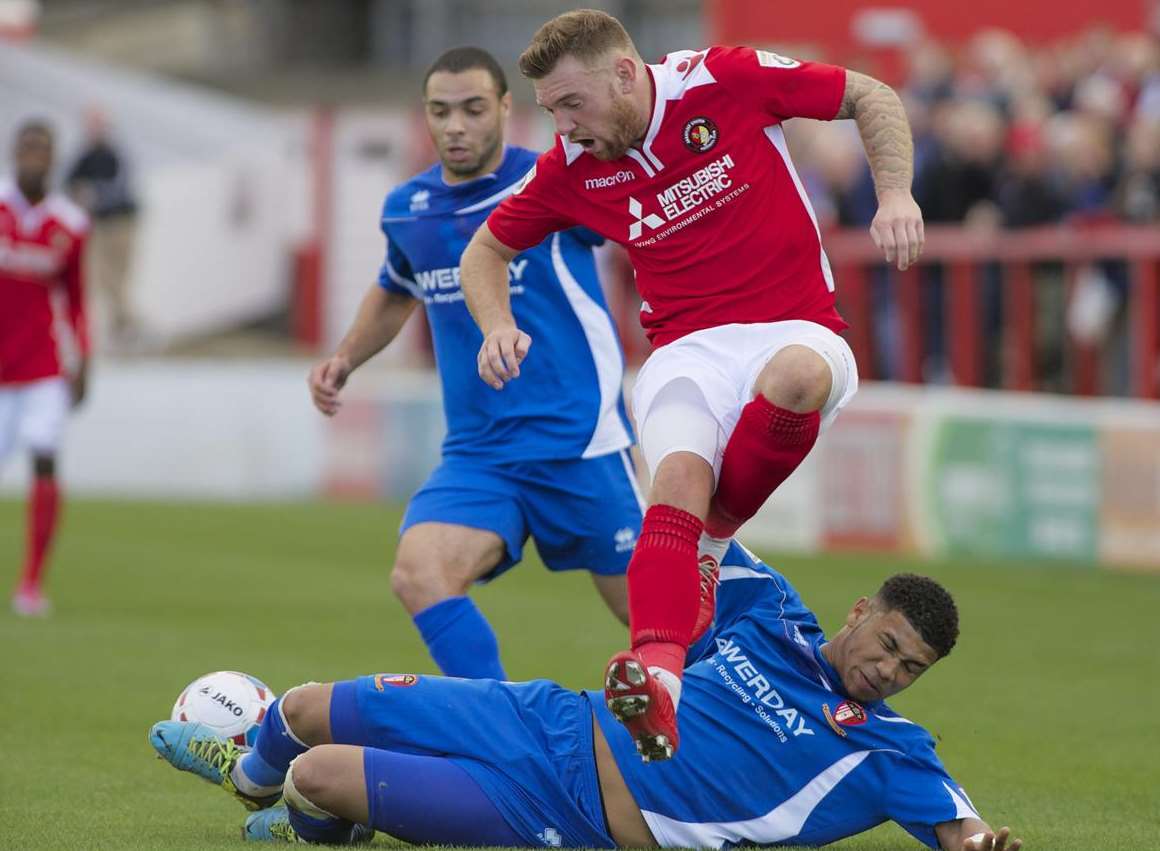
x,y
963,253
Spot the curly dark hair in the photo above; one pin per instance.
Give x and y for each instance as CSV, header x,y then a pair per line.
x,y
927,605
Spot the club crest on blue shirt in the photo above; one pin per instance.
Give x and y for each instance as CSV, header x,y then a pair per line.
x,y
846,714
397,680
700,135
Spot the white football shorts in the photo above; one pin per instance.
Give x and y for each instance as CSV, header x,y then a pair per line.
x,y
33,415
689,394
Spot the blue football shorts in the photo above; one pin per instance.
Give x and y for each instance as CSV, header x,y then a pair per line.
x,y
584,514
527,745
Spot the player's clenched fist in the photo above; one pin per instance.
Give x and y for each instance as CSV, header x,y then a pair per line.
x,y
897,228
325,380
500,355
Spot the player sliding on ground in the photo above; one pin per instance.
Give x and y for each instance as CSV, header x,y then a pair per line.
x,y
686,164
549,458
788,742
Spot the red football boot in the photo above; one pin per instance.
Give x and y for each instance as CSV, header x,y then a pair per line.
x,y
640,702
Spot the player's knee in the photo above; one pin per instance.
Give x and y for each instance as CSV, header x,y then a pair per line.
x,y
306,782
409,583
797,379
306,710
685,481
420,584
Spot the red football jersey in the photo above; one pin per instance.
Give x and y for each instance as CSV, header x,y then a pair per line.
x,y
715,219
41,250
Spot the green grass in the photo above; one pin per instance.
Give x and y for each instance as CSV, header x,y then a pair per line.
x,y
1046,711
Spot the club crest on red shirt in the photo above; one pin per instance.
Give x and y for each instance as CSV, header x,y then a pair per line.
x,y
700,135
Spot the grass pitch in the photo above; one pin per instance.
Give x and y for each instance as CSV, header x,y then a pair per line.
x,y
1046,711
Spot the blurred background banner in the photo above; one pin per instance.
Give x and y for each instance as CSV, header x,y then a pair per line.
x,y
1009,404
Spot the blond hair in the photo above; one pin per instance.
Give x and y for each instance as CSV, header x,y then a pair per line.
x,y
586,34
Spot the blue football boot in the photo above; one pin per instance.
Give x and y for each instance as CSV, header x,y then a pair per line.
x,y
273,825
194,747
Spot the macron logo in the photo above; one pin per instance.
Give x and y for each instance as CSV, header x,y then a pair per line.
x,y
611,180
637,211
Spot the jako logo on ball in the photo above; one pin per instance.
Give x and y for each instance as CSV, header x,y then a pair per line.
x,y
225,700
231,703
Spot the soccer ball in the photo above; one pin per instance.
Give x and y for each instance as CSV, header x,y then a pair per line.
x,y
231,703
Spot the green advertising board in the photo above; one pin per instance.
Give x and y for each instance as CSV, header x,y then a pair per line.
x,y
1013,488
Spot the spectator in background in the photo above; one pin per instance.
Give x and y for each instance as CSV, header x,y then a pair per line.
x,y
1137,194
99,182
1018,135
959,184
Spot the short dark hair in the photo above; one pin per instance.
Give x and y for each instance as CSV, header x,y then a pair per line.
x,y
927,605
460,59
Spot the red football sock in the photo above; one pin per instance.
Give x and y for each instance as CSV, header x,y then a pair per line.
x,y
768,444
664,590
43,505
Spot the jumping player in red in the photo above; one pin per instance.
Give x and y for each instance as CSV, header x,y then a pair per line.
x,y
42,239
685,163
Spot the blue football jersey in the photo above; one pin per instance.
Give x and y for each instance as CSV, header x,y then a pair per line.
x,y
568,400
772,752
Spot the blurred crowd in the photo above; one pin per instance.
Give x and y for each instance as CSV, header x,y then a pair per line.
x,y
1009,135
1015,135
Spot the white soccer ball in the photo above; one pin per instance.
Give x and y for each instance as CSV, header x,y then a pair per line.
x,y
233,704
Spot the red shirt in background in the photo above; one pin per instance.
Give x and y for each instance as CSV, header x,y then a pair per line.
x,y
41,254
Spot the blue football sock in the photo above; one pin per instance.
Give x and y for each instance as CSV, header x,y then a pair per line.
x,y
429,800
460,639
328,830
275,747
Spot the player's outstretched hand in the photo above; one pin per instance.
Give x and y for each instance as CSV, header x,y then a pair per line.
x,y
500,355
897,228
1000,840
325,380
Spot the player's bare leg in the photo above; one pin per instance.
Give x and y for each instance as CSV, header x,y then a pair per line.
x,y
43,511
330,778
435,567
306,710
642,685
613,591
775,432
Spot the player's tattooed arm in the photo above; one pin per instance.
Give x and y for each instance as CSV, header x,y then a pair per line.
x,y
897,228
884,129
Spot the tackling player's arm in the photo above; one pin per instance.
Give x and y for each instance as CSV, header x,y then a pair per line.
x,y
380,317
972,834
897,227
483,277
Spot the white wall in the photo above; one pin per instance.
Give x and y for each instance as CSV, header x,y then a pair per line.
x,y
200,429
